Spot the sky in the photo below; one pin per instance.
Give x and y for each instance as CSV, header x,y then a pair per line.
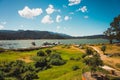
x,y
72,17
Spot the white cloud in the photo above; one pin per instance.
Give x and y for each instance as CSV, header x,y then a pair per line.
x,y
66,18
86,17
1,27
50,9
83,9
73,2
47,20
58,18
30,13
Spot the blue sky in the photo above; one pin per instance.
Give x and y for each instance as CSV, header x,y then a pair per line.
x,y
72,17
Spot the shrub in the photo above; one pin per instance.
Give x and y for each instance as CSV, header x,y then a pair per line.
x,y
72,58
42,62
1,75
118,65
29,76
78,58
40,53
103,48
15,69
89,51
57,62
48,51
56,55
75,68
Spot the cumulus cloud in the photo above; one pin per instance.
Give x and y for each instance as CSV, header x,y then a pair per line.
x,y
50,9
30,13
66,18
1,27
83,9
47,20
86,17
73,2
58,18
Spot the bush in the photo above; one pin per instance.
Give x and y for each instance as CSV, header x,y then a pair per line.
x,y
42,62
1,75
118,65
89,51
15,69
75,68
78,58
72,58
56,55
48,51
57,62
40,53
29,76
103,48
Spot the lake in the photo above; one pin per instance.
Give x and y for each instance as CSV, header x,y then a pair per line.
x,y
15,44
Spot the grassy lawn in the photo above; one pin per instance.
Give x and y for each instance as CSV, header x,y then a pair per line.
x,y
64,72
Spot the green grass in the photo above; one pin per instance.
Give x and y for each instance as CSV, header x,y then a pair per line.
x,y
64,72
14,55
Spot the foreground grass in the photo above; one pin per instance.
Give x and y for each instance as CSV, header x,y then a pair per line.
x,y
64,72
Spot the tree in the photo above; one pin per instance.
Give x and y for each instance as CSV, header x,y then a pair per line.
x,y
114,31
109,34
115,25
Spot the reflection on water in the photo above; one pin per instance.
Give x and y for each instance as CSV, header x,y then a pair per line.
x,y
15,44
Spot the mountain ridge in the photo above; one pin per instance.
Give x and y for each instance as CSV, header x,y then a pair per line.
x,y
35,34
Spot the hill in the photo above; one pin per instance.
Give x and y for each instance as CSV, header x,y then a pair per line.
x,y
29,34
33,34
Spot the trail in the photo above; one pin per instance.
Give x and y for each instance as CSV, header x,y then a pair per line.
x,y
104,57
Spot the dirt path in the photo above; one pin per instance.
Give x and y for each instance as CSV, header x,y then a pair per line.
x,y
105,58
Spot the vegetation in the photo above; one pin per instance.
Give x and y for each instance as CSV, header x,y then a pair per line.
x,y
103,48
17,69
75,68
40,53
57,63
92,60
114,31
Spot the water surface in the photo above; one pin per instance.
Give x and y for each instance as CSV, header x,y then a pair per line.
x,y
15,44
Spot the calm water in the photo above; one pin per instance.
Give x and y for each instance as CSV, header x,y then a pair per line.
x,y
14,44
